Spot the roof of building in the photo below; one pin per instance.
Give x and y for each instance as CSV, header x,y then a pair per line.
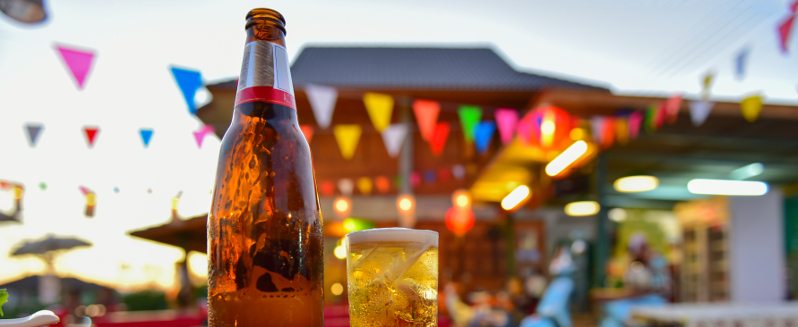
x,y
385,68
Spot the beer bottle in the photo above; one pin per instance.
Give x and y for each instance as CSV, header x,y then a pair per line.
x,y
265,248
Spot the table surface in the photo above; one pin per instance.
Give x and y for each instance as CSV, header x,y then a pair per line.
x,y
686,312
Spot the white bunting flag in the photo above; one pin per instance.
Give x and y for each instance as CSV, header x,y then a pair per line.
x,y
699,111
597,129
322,101
393,137
346,186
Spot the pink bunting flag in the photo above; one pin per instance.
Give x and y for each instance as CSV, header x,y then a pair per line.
x,y
635,119
506,122
78,62
524,130
785,29
199,135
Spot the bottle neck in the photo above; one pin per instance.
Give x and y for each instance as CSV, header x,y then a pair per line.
x,y
265,74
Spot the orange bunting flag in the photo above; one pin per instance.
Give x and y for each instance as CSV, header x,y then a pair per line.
x,y
609,132
365,185
347,136
379,107
308,131
622,130
751,107
426,112
439,138
383,184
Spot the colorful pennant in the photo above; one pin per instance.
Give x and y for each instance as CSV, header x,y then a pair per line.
x,y
429,176
78,62
200,134
506,121
439,138
364,184
469,116
379,107
327,188
706,84
458,171
347,136
307,130
444,174
622,129
415,179
699,111
672,107
785,30
483,134
751,107
33,133
189,82
146,135
597,129
635,120
393,137
383,184
91,134
346,186
322,100
426,112
525,129
740,61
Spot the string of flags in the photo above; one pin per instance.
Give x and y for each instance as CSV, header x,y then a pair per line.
x,y
367,185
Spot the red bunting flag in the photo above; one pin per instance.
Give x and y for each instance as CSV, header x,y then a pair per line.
x,y
785,29
444,175
91,134
426,112
672,107
438,141
308,131
327,188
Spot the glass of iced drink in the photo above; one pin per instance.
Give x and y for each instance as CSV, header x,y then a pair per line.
x,y
392,276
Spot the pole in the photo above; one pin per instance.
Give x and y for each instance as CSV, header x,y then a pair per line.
x,y
601,253
406,156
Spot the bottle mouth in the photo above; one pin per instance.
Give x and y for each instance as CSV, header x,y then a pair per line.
x,y
260,15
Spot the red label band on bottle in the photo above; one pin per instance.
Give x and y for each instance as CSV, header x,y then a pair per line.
x,y
265,94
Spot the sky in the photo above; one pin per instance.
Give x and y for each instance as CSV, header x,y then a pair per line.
x,y
637,47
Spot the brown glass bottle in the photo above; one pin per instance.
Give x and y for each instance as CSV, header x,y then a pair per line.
x,y
265,235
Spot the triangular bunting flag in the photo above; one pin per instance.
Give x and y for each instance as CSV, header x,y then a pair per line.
x,y
383,184
699,111
415,179
635,120
785,29
365,185
78,62
444,175
327,188
672,107
469,116
426,112
597,129
393,137
751,107
740,61
91,134
189,82
379,107
483,133
661,114
322,100
706,84
200,134
429,176
608,132
524,130
346,186
308,131
439,138
794,7
458,171
347,136
506,121
33,133
146,135
650,121
622,130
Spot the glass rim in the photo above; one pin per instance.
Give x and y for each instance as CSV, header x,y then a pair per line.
x,y
393,234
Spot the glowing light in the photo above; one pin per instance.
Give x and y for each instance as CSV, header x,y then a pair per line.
x,y
617,214
566,158
632,184
516,197
754,169
727,187
461,198
340,252
405,203
198,264
577,134
341,205
337,289
582,208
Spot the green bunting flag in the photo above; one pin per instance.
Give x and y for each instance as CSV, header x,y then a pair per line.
x,y
469,117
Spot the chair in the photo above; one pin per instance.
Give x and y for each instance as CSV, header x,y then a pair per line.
x,y
552,311
38,319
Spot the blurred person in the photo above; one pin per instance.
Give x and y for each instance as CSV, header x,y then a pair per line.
x,y
488,312
561,263
648,271
534,287
459,312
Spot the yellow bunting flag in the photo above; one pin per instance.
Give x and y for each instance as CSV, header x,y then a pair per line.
x,y
364,184
706,85
379,107
622,130
751,107
347,136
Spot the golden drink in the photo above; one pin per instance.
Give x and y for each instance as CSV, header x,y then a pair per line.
x,y
392,276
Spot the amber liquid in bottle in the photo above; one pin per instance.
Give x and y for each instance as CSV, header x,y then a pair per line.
x,y
265,235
